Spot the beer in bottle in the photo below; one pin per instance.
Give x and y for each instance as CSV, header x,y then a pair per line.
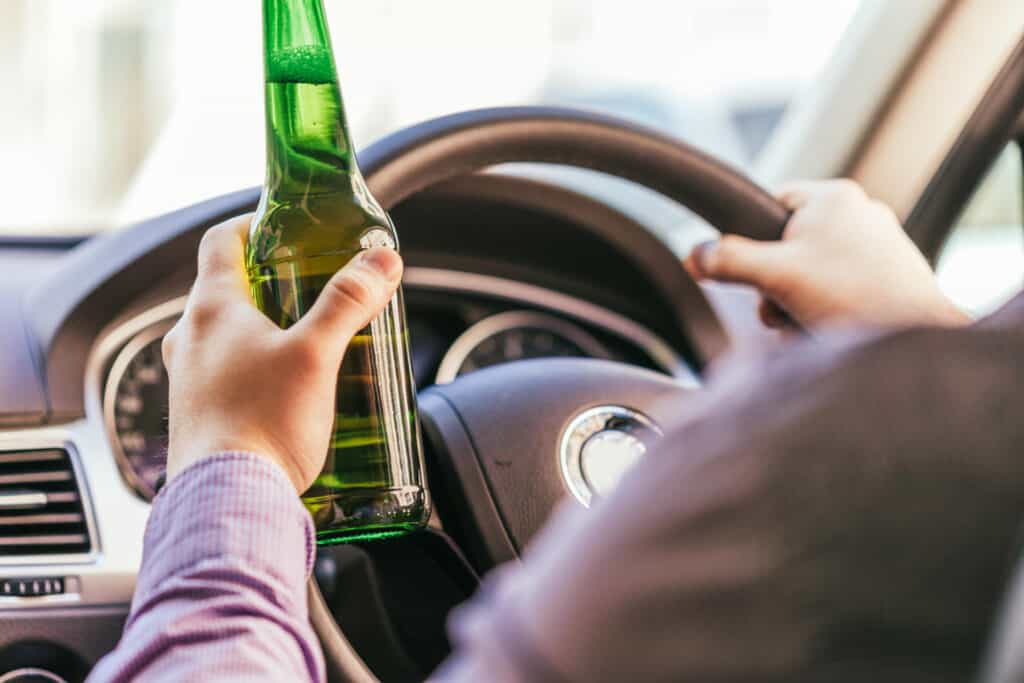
x,y
315,214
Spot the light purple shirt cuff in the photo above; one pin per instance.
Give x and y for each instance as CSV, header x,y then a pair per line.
x,y
222,589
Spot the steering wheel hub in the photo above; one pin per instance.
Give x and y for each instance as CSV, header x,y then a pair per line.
x,y
599,446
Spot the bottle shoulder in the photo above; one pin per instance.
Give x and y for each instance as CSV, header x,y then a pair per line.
x,y
285,228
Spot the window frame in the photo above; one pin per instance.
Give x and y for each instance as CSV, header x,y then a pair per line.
x,y
997,121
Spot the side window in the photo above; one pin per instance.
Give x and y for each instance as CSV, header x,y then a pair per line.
x,y
982,263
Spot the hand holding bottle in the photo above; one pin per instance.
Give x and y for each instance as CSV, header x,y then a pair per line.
x,y
238,382
316,212
843,259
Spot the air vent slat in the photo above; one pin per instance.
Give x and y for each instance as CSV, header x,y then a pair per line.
x,y
54,539
34,477
66,497
41,509
58,518
31,456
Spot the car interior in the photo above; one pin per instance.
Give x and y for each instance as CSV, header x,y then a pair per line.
x,y
540,315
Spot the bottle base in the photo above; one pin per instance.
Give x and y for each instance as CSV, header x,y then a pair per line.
x,y
340,536
364,515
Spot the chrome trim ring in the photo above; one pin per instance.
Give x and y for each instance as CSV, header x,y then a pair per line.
x,y
124,358
13,676
125,340
482,330
581,429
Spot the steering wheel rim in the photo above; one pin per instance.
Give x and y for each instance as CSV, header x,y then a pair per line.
x,y
460,144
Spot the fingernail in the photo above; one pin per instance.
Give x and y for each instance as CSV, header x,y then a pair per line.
x,y
703,254
385,261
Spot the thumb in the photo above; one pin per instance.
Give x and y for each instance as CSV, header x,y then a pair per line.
x,y
354,296
740,260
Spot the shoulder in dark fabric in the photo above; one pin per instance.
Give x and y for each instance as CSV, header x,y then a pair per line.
x,y
844,512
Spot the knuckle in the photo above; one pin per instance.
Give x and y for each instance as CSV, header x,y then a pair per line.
x,y
353,291
884,210
848,190
724,256
208,241
168,344
849,185
781,282
202,314
213,246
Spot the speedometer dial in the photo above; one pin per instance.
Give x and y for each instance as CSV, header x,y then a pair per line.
x,y
516,335
135,410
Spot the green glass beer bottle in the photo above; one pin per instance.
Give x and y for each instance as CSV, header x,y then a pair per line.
x,y
315,214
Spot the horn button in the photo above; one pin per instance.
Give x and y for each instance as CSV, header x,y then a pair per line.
x,y
599,446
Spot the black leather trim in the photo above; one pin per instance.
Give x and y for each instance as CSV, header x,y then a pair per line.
x,y
461,492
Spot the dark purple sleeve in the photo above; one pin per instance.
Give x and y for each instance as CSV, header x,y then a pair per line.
x,y
844,511
221,592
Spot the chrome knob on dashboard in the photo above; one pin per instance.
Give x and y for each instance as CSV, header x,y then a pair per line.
x,y
599,446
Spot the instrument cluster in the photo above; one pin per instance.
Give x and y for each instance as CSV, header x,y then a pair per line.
x,y
135,393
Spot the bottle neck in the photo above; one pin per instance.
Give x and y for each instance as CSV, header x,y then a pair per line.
x,y
309,149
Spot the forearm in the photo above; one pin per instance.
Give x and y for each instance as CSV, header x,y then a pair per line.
x,y
221,591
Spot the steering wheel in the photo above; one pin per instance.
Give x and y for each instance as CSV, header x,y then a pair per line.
x,y
510,439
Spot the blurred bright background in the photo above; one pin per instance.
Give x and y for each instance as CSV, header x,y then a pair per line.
x,y
117,110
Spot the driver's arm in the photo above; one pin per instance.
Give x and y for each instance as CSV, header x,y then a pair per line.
x,y
228,547
845,512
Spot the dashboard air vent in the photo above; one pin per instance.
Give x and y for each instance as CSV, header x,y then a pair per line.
x,y
41,510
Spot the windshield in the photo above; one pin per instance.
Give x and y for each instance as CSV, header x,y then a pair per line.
x,y
126,109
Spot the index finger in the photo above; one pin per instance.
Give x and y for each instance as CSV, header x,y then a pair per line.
x,y
221,270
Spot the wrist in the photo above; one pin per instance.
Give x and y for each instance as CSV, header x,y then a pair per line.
x,y
233,505
181,455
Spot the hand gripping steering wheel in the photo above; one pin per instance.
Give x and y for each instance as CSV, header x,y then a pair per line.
x,y
510,439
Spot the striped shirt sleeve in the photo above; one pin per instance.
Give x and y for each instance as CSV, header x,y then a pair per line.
x,y
221,591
